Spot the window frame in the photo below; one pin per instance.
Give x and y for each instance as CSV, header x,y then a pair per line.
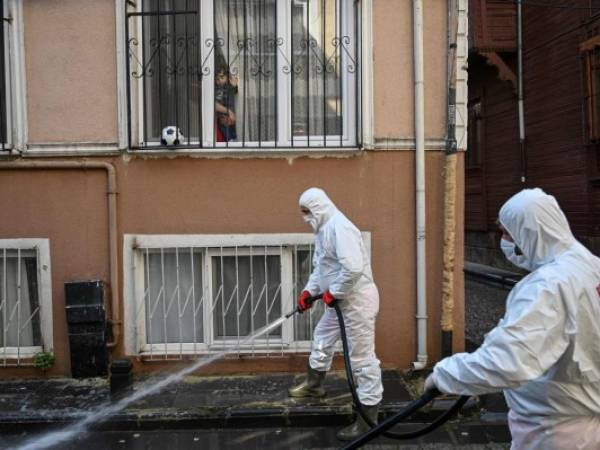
x,y
135,339
14,78
357,108
41,247
480,119
592,91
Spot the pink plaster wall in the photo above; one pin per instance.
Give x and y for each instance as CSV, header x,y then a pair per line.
x,y
70,59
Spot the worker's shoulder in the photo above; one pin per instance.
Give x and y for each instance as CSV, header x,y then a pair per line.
x,y
556,279
341,222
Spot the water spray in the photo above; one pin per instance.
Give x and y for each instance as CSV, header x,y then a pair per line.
x,y
106,410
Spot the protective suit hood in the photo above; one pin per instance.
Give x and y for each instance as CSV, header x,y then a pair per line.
x,y
537,225
320,205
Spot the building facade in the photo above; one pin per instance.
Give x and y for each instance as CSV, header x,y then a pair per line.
x,y
560,149
160,146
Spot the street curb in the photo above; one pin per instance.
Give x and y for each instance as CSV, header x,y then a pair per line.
x,y
231,417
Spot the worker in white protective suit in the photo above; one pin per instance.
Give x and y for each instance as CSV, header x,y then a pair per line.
x,y
545,352
342,272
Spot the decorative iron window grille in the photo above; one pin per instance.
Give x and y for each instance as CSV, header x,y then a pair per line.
x,y
25,315
225,74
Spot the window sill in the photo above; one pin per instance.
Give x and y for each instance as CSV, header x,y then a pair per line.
x,y
70,149
245,152
283,350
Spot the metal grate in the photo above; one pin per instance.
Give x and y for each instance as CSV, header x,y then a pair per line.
x,y
197,300
20,332
243,74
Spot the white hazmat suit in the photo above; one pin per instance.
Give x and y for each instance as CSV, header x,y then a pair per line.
x,y
341,265
545,352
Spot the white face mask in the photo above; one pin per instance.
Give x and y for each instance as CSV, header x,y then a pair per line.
x,y
509,250
311,220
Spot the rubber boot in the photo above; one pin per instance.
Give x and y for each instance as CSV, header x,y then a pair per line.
x,y
359,426
311,386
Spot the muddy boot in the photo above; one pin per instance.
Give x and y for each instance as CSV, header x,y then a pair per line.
x,y
311,386
359,426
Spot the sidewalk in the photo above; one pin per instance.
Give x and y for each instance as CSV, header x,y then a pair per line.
x,y
216,402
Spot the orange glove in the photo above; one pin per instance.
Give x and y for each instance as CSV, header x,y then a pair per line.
x,y
303,304
329,299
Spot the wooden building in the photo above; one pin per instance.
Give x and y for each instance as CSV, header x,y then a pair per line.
x,y
561,51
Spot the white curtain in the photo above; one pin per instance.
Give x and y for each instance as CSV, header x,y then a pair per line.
x,y
317,58
304,324
170,68
173,296
246,294
16,321
246,38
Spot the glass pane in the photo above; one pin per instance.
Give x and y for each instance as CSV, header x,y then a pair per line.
x,y
475,132
318,47
246,294
173,296
245,70
304,324
19,307
170,67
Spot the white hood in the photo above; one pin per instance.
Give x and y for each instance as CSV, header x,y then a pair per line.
x,y
537,225
321,207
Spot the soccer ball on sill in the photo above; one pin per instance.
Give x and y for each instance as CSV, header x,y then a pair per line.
x,y
171,135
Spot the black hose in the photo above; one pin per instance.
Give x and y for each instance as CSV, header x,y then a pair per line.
x,y
382,428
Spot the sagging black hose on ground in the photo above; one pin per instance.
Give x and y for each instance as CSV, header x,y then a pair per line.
x,y
381,429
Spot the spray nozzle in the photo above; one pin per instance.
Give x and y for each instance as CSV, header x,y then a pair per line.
x,y
309,300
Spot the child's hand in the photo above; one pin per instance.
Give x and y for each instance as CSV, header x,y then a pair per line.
x,y
227,120
233,80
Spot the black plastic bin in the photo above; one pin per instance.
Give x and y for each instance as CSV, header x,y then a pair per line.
x,y
86,322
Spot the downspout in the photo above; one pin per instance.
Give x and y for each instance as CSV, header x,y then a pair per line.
x,y
111,191
421,361
520,91
447,320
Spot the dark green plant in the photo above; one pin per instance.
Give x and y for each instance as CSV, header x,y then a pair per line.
x,y
43,360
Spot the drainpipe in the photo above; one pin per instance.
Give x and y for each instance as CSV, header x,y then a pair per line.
x,y
111,191
520,91
421,361
447,321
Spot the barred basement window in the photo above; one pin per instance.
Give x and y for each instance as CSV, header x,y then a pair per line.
x,y
201,294
25,304
243,73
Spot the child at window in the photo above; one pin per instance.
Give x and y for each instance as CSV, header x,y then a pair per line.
x,y
225,91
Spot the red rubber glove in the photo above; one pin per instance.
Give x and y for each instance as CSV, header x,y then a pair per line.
x,y
303,304
329,299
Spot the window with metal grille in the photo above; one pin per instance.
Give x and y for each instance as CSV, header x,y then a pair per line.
x,y
25,305
199,294
592,71
224,74
475,135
